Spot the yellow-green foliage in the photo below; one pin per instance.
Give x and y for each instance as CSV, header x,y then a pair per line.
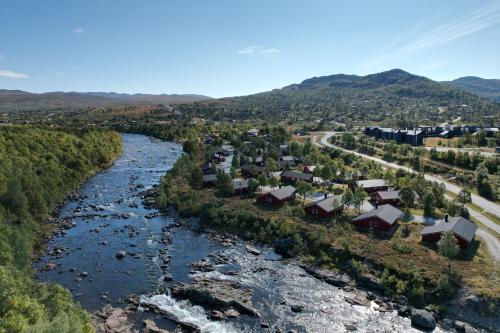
x,y
38,167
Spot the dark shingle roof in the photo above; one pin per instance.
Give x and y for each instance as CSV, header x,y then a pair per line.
x,y
386,213
297,175
329,204
283,192
458,225
388,195
209,178
248,167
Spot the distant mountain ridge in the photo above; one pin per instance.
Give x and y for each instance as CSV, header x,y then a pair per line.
x,y
489,88
18,100
393,95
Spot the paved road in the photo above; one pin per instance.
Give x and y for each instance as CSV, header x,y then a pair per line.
x,y
485,204
464,150
492,242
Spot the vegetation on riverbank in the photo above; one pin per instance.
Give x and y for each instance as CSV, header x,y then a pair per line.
x,y
402,265
38,169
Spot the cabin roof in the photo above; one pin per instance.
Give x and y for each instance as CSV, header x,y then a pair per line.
x,y
388,195
460,226
386,213
371,183
283,193
329,204
297,175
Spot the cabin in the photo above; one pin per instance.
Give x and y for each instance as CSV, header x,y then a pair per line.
x,y
463,229
292,177
384,218
386,197
309,169
252,171
327,207
278,197
372,185
240,186
286,165
210,180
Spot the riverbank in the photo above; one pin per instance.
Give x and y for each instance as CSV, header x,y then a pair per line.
x,y
39,167
398,267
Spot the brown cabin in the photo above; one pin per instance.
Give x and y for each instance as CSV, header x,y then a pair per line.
x,y
383,218
327,207
463,229
292,177
278,197
386,197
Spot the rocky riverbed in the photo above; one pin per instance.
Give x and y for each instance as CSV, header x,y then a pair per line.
x,y
139,270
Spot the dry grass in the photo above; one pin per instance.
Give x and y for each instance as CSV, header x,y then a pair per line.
x,y
434,142
475,267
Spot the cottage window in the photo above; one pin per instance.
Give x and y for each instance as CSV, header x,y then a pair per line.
x,y
315,211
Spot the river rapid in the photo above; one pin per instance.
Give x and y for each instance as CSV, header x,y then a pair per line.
x,y
109,217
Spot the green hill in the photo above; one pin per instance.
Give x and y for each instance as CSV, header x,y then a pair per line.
x,y
391,96
489,88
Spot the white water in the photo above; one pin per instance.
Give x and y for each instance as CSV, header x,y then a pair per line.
x,y
184,312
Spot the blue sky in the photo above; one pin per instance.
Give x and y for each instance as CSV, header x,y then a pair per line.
x,y
227,47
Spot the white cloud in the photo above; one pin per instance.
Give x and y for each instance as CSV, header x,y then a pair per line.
x,y
78,30
12,75
257,49
413,42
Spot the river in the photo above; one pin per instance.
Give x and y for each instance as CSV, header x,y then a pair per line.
x,y
109,217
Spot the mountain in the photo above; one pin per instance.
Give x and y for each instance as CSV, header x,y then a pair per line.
x,y
394,95
18,100
489,88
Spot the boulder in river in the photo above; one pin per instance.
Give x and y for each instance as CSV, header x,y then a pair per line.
x,y
252,250
113,320
217,294
120,254
338,280
151,327
423,319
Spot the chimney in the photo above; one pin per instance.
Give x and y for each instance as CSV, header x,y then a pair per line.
x,y
376,204
326,195
446,218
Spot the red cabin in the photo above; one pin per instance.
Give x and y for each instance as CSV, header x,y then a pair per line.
x,y
384,218
386,197
327,207
463,229
278,197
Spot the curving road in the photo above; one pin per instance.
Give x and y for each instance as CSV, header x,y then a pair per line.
x,y
485,204
491,240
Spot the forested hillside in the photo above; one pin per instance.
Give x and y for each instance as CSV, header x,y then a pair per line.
x,y
38,168
489,88
22,101
394,95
